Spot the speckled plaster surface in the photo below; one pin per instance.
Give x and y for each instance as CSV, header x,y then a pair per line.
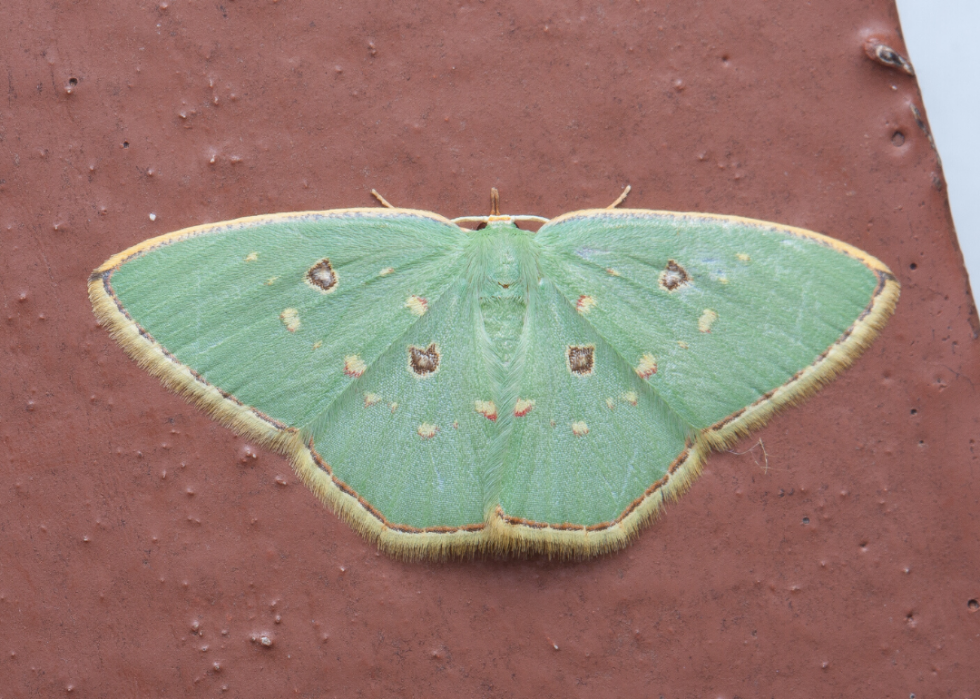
x,y
146,551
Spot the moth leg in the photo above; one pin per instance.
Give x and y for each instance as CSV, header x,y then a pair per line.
x,y
620,199
384,202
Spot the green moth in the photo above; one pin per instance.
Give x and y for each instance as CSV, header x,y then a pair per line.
x,y
449,390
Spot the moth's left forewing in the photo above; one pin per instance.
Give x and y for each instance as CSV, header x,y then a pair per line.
x,y
728,309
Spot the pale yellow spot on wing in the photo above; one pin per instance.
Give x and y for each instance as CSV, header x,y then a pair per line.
x,y
523,407
630,397
252,257
371,399
585,304
427,431
682,344
417,305
354,365
580,429
611,272
647,366
318,344
394,406
706,320
610,403
290,318
486,408
386,271
270,281
743,257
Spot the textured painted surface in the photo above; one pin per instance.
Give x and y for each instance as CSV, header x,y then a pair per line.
x,y
144,547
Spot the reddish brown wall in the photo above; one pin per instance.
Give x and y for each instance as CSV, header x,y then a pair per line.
x,y
128,519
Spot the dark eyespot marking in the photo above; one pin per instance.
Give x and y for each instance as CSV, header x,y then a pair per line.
x,y
581,359
674,276
423,361
321,276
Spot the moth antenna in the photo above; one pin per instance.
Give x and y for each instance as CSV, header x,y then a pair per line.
x,y
621,198
384,202
494,202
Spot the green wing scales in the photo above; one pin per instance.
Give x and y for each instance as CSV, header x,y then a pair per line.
x,y
234,302
407,436
592,437
728,309
448,391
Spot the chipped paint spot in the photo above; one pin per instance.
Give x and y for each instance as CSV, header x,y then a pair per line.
x,y
723,280
270,281
487,409
630,397
706,320
610,403
682,344
552,422
674,277
647,366
322,276
290,318
354,366
386,271
585,304
423,362
743,257
252,257
417,305
427,431
580,429
580,359
318,344
371,399
455,424
394,407
611,272
523,407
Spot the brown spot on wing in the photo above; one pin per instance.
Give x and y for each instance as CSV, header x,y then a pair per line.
x,y
581,359
674,277
423,361
322,276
